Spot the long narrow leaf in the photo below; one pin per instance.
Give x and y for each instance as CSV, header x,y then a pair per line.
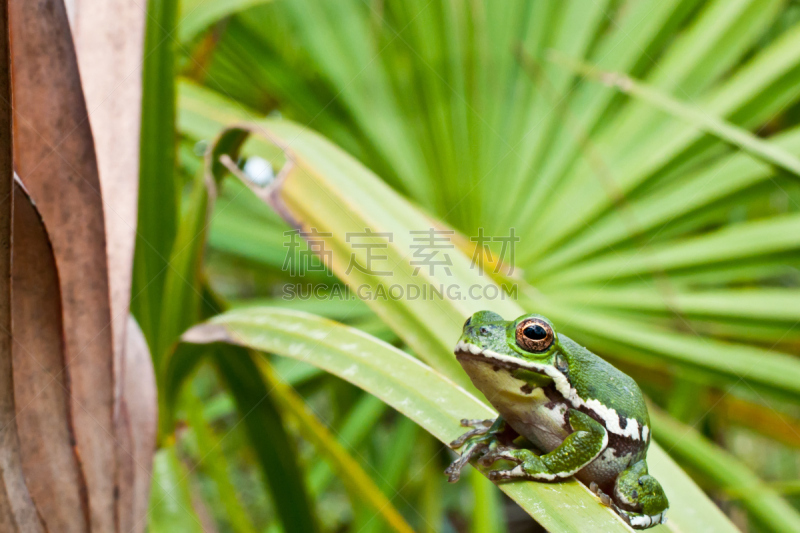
x,y
736,242
275,451
158,193
417,391
212,460
701,119
697,192
437,404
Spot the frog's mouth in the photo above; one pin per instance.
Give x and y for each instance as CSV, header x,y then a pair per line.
x,y
473,352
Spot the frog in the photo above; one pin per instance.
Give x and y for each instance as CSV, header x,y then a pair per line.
x,y
563,412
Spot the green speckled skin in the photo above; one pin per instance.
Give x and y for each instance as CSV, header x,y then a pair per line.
x,y
577,413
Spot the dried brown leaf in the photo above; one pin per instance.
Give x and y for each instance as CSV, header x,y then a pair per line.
x,y
108,36
52,468
17,511
55,158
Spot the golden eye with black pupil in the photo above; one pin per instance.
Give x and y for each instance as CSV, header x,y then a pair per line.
x,y
534,335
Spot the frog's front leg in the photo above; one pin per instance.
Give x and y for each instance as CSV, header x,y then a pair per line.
x,y
639,498
580,448
483,437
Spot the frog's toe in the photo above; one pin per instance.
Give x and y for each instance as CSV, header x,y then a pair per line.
x,y
459,442
604,498
483,431
476,423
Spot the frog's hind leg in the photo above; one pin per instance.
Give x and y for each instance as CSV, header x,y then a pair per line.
x,y
581,447
639,497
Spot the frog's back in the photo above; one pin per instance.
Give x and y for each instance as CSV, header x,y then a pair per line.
x,y
600,385
614,399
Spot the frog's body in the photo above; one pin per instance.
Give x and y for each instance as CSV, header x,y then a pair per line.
x,y
588,418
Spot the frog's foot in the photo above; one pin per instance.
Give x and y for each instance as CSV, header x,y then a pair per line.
x,y
473,449
580,448
639,498
633,519
476,442
529,465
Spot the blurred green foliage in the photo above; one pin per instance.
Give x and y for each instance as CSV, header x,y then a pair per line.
x,y
645,151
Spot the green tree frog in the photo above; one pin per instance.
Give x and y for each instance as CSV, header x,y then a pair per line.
x,y
579,416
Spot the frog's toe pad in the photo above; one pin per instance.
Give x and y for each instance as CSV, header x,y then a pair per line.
x,y
453,472
643,521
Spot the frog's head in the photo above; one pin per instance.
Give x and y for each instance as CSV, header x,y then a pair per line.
x,y
527,342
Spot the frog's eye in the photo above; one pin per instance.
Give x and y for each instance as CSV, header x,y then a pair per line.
x,y
534,335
